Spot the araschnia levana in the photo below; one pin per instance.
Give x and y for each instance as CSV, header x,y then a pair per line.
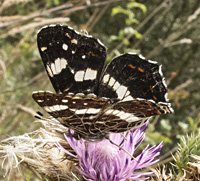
x,y
91,99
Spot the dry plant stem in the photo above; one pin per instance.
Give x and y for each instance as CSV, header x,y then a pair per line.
x,y
155,120
32,169
26,109
3,116
2,68
33,25
16,52
183,85
121,44
33,80
91,19
10,18
35,15
74,9
166,10
59,9
164,157
172,37
7,3
123,150
98,17
162,5
3,59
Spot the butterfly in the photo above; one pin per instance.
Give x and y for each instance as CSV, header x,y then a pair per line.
x,y
92,98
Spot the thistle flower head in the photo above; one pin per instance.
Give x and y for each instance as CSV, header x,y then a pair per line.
x,y
107,162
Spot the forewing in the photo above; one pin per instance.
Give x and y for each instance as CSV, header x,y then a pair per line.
x,y
129,77
73,61
136,87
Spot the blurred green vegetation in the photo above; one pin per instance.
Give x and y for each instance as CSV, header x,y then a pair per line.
x,y
167,31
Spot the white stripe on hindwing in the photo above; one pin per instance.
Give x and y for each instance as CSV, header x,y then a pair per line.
x,y
128,117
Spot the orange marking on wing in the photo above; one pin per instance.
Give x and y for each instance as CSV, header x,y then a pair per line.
x,y
151,88
155,98
68,35
91,53
140,69
130,65
74,41
158,112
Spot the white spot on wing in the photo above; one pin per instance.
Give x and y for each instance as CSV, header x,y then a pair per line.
x,y
74,41
47,109
153,62
49,92
116,112
55,108
42,28
133,119
93,111
127,93
129,98
166,96
79,76
52,25
77,32
125,115
111,82
121,91
40,91
63,107
40,100
116,85
100,43
83,56
64,46
53,68
142,57
122,115
63,63
90,74
81,111
64,100
132,53
49,71
56,68
84,111
72,70
106,78
70,27
43,49
160,70
35,92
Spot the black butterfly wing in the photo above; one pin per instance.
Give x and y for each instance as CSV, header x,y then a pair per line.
x,y
137,89
73,61
129,77
75,111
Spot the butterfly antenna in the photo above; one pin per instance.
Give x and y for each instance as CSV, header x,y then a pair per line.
x,y
38,115
123,150
123,136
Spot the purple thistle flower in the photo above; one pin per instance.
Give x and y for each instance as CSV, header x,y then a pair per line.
x,y
106,162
